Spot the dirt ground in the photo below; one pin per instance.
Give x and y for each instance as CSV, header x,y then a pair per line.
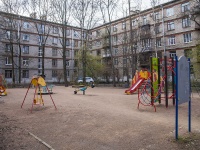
x,y
102,119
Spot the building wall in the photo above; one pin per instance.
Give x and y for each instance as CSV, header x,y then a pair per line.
x,y
33,66
176,29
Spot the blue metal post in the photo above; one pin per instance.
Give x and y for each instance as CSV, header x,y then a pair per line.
x,y
176,113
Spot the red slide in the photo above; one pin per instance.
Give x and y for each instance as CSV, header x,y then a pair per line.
x,y
135,86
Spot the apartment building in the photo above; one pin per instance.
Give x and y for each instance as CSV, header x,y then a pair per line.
x,y
128,42
25,39
166,29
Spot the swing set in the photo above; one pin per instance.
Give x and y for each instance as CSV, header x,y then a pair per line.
x,y
38,83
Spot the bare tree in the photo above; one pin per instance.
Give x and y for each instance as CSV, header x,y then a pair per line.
x,y
62,14
107,8
43,27
12,27
85,15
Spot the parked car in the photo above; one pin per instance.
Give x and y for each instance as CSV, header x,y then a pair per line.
x,y
87,80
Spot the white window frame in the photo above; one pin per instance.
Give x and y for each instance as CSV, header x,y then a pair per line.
x,y
40,52
172,54
25,62
55,30
186,22
123,25
67,42
68,32
8,61
185,7
26,25
134,22
67,63
171,40
8,35
170,26
170,12
114,28
144,20
25,49
55,40
159,42
187,37
26,37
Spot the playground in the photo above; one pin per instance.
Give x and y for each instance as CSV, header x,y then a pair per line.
x,y
104,118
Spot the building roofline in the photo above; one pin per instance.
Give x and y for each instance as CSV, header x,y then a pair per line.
x,y
146,10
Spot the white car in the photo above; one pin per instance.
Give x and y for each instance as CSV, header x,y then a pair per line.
x,y
87,80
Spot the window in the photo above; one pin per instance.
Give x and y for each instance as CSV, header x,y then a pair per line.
x,y
25,74
170,26
40,39
54,62
67,73
157,29
8,35
144,20
170,12
55,40
186,22
116,61
54,73
54,52
26,37
134,22
39,71
8,73
125,50
67,53
156,15
41,28
67,63
171,40
115,39
25,49
124,60
115,28
39,64
40,52
67,42
116,51
158,42
97,33
187,37
25,62
55,30
7,47
68,32
146,43
75,34
8,61
26,25
185,7
123,25
98,43
172,54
